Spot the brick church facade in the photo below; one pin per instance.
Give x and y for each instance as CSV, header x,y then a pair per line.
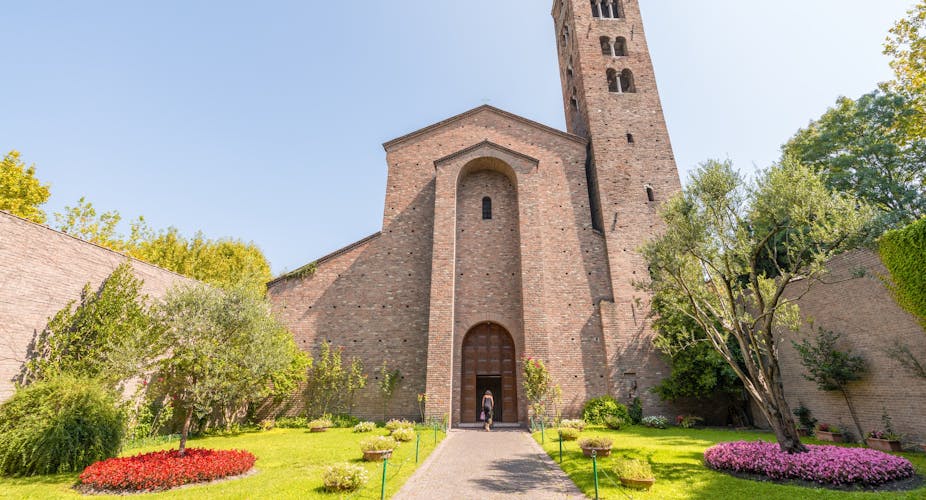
x,y
503,238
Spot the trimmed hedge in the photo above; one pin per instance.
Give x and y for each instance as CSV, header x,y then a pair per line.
x,y
903,252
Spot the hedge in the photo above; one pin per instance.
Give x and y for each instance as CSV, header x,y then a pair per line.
x,y
903,252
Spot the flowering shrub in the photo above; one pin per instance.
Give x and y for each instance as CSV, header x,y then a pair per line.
x,y
829,465
578,425
392,425
344,477
165,469
403,434
378,443
597,442
656,421
321,423
365,427
829,428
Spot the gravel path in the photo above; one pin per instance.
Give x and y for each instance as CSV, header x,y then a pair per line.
x,y
474,464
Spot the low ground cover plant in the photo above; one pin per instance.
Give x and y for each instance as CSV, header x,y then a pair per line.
x,y
596,442
656,421
365,427
403,434
378,443
568,434
633,469
292,423
162,470
826,465
344,477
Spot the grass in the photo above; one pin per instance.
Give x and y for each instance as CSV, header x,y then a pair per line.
x,y
290,463
677,458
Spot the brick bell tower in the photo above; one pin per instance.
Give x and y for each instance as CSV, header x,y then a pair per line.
x,y
610,97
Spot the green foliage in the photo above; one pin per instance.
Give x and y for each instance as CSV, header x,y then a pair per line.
x,y
906,46
576,424
331,387
903,252
106,336
82,221
344,477
633,469
59,425
861,147
147,419
344,421
388,383
395,424
597,409
689,421
615,423
655,421
292,423
320,423
220,350
568,433
636,411
539,388
827,366
21,193
808,423
365,427
404,434
597,442
710,256
378,443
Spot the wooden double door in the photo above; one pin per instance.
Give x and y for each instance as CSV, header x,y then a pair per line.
x,y
489,364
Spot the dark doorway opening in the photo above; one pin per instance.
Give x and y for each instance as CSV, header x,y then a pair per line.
x,y
490,383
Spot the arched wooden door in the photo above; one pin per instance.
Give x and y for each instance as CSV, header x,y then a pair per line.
x,y
489,363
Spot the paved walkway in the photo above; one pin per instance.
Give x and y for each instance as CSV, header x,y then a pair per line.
x,y
473,464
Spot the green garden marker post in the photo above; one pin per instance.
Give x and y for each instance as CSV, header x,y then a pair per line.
x,y
417,444
435,434
561,449
542,438
382,491
595,471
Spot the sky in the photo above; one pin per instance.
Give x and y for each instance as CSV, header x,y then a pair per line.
x,y
264,121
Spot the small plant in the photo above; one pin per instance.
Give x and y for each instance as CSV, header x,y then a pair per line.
x,y
634,469
596,442
388,383
344,477
655,421
687,421
343,421
378,443
598,409
636,411
808,423
888,432
578,425
394,425
403,434
365,427
614,423
568,434
422,405
267,424
292,423
320,423
832,429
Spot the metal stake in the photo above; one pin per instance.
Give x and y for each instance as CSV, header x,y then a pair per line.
x,y
561,449
417,443
382,491
595,470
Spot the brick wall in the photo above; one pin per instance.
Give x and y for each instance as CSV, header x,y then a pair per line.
x,y
863,311
41,270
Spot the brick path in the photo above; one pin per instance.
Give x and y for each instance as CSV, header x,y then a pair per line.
x,y
474,464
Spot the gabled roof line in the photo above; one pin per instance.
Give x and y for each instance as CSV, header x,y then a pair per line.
x,y
322,260
484,107
490,144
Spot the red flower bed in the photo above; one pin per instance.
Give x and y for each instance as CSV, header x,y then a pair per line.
x,y
166,469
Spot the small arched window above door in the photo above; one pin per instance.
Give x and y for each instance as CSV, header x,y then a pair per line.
x,y
487,208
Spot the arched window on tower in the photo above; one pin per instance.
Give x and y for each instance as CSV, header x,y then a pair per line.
x,y
487,208
614,82
617,10
569,71
565,36
606,47
574,100
626,82
620,47
650,194
596,8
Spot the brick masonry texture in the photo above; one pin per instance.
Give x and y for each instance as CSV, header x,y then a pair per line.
x,y
41,270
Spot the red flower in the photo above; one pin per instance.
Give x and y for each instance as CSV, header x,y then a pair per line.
x,y
166,469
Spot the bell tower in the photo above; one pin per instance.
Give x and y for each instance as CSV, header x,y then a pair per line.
x,y
610,97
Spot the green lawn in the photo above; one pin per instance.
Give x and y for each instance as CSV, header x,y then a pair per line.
x,y
289,465
676,455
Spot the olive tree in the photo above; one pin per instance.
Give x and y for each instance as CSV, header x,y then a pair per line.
x,y
730,252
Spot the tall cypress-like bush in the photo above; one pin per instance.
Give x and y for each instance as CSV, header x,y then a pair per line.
x,y
59,425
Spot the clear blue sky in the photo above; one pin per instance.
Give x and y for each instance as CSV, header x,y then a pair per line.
x,y
264,120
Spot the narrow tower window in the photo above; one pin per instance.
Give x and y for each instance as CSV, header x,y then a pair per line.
x,y
565,36
596,8
626,81
650,194
487,208
629,138
620,47
574,100
606,47
617,9
614,82
569,71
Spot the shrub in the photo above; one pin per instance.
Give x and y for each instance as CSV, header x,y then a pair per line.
x,y
344,477
687,421
636,411
568,434
656,421
59,425
165,469
378,443
320,423
598,409
392,425
902,252
614,423
343,421
597,442
267,424
824,427
403,434
805,418
293,423
578,425
829,465
365,427
633,469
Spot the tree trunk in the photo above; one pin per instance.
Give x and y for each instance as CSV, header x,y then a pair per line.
x,y
186,431
781,418
858,426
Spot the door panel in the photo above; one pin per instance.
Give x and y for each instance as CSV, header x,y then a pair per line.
x,y
488,351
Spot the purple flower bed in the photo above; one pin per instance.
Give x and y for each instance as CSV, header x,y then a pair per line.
x,y
829,465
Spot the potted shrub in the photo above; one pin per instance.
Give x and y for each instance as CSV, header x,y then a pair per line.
x,y
377,448
886,440
344,477
635,474
320,425
568,434
365,427
599,444
828,432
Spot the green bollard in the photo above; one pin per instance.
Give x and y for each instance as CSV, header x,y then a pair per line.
x,y
382,491
561,449
435,434
542,438
417,443
595,471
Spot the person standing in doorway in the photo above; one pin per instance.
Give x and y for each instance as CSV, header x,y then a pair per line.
x,y
488,406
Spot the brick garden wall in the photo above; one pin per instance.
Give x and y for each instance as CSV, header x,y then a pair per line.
x,y
41,270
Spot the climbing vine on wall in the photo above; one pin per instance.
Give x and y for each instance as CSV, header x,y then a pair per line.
x,y
904,252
